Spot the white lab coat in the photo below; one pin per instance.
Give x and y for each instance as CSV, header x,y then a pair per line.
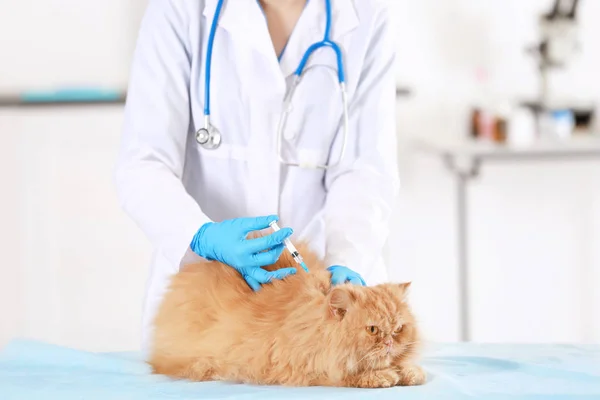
x,y
170,186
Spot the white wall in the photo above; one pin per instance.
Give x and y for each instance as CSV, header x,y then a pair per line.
x,y
74,266
534,227
66,42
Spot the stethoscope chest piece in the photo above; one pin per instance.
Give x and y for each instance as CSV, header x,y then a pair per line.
x,y
209,138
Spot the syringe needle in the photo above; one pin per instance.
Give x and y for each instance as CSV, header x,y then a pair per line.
x,y
291,248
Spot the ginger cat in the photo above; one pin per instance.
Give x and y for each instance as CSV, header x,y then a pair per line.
x,y
297,332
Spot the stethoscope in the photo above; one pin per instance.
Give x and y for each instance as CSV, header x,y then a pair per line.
x,y
209,137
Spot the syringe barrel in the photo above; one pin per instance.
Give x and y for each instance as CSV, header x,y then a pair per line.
x,y
287,242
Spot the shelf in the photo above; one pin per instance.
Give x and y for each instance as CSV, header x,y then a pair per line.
x,y
588,145
20,102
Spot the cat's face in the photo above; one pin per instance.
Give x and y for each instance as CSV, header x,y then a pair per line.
x,y
377,323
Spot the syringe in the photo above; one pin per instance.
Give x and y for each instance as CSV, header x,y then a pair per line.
x,y
291,248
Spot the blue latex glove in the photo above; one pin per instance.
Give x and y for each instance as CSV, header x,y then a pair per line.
x,y
340,275
226,242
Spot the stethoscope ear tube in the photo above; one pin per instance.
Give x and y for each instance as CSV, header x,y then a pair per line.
x,y
287,107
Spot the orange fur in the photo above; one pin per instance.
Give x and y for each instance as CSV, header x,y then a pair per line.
x,y
296,332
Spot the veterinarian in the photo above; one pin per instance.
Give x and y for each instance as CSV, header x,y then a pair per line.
x,y
242,112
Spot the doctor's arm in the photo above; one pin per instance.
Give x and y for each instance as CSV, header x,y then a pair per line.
x,y
363,188
152,157
152,152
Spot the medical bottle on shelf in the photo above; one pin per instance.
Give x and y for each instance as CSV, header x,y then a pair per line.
x,y
489,115
563,123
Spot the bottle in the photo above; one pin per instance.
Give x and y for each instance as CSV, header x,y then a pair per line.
x,y
563,123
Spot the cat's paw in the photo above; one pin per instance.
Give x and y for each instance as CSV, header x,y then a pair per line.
x,y
411,375
378,379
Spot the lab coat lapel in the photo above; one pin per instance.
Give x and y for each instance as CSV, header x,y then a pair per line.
x,y
311,29
244,20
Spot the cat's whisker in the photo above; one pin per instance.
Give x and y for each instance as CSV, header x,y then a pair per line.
x,y
372,365
409,344
372,352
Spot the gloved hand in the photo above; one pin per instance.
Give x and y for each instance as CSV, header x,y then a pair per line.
x,y
226,242
340,275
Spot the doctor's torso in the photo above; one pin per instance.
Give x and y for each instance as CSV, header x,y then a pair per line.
x,y
243,176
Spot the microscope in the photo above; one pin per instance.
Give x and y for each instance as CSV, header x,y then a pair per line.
x,y
558,41
557,46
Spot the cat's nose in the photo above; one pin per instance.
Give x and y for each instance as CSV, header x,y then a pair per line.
x,y
389,342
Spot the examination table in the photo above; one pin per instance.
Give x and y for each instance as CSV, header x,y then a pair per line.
x,y
34,370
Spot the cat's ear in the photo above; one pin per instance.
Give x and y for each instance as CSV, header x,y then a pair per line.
x,y
405,286
401,290
340,300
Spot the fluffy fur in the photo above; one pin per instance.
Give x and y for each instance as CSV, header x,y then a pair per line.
x,y
296,332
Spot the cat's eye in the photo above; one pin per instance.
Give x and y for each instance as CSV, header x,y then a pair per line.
x,y
372,329
399,330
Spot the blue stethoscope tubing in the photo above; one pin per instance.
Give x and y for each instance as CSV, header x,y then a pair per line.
x,y
325,42
210,138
